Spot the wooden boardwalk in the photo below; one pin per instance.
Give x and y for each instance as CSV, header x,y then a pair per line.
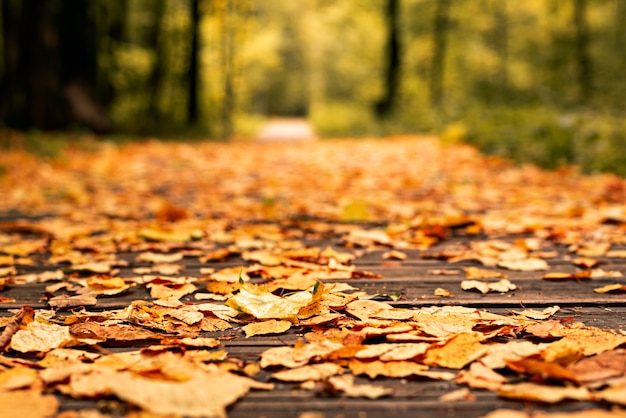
x,y
185,214
413,280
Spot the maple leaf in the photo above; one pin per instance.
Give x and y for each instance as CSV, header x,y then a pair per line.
x,y
262,304
40,337
271,326
456,352
543,393
205,394
28,403
311,372
345,384
501,286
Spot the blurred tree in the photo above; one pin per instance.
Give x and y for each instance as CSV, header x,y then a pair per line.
x,y
51,65
582,55
157,44
440,33
393,59
194,67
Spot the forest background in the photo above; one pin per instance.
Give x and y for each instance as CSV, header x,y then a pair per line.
x,y
539,81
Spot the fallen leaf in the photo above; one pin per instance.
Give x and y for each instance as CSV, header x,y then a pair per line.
x,y
28,403
611,288
395,255
206,393
534,392
377,368
456,352
501,286
40,337
478,273
19,378
534,314
262,304
271,326
463,394
311,372
480,376
443,293
345,384
527,264
65,301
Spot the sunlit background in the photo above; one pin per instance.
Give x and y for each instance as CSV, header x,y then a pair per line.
x,y
536,80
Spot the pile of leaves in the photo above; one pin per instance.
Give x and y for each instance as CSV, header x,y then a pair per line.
x,y
178,249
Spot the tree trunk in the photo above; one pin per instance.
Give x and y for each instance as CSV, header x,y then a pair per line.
x,y
583,58
441,22
50,65
228,66
393,60
158,67
193,75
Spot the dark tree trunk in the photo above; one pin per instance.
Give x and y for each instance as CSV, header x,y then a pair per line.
x,y
440,44
50,65
193,76
393,60
158,68
583,59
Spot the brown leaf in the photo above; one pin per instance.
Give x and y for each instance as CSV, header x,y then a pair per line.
x,y
312,372
345,384
205,393
25,315
271,326
480,376
456,352
65,301
599,368
28,403
40,337
386,368
534,392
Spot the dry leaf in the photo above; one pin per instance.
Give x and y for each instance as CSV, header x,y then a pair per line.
x,y
271,326
206,393
386,368
28,403
19,378
262,304
611,288
534,314
463,394
65,301
478,273
443,293
455,353
501,286
345,383
312,372
527,264
395,255
41,337
534,392
480,376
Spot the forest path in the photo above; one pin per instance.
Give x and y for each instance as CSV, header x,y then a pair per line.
x,y
286,130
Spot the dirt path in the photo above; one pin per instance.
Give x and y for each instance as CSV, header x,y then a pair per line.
x,y
286,130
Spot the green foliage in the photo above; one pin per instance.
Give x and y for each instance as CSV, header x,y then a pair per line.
x,y
549,137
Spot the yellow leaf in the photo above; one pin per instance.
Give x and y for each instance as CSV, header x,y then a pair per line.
x,y
534,392
312,372
458,351
262,304
345,383
266,327
28,403
41,337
